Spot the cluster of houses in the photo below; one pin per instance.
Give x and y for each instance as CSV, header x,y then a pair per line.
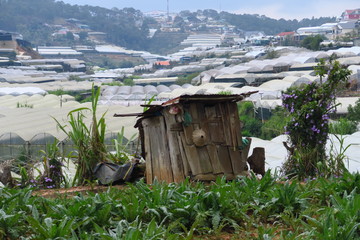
x,y
346,25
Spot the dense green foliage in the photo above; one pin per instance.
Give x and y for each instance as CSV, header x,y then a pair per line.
x,y
251,125
275,125
186,78
343,126
309,107
354,112
80,96
166,42
255,22
312,42
246,208
254,127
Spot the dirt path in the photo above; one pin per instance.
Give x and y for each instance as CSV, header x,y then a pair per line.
x,y
66,192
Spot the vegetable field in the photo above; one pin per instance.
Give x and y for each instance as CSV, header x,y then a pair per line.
x,y
245,208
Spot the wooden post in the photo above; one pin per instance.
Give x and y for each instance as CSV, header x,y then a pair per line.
x,y
257,161
5,173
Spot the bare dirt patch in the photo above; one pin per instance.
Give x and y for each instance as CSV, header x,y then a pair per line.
x,y
68,192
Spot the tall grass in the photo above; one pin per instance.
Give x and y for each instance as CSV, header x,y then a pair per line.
x,y
88,140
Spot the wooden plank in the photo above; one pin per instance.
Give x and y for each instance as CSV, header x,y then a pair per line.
x,y
225,161
205,177
174,149
214,158
185,161
175,126
155,158
204,160
232,127
229,176
193,110
215,125
216,133
166,170
222,109
237,162
147,151
210,111
158,153
203,121
237,125
193,159
188,131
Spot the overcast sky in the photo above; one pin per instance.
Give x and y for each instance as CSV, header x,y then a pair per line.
x,y
288,9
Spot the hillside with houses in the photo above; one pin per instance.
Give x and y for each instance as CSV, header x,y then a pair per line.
x,y
217,125
53,68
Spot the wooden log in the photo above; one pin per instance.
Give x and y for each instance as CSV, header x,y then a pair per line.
x,y
229,176
5,173
174,149
205,177
257,161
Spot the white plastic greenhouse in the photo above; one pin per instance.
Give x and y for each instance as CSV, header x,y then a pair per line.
x,y
276,153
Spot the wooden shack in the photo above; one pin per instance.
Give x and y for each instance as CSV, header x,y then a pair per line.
x,y
193,135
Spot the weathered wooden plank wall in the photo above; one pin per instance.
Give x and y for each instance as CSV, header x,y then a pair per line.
x,y
177,166
173,152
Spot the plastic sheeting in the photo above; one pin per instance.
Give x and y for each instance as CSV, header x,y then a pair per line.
x,y
52,86
276,154
16,91
37,123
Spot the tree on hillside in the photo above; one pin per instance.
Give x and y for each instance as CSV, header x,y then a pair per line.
x,y
255,22
312,42
34,20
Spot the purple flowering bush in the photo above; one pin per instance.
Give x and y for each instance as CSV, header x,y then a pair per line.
x,y
309,107
52,176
